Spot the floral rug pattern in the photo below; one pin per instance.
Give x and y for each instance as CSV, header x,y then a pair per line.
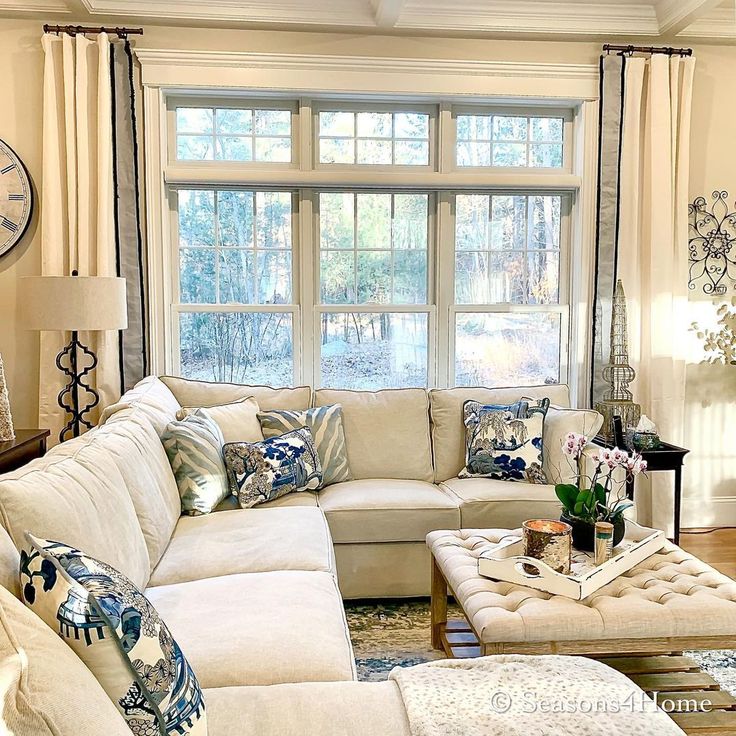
x,y
387,634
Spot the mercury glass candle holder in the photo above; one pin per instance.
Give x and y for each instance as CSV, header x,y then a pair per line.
x,y
550,541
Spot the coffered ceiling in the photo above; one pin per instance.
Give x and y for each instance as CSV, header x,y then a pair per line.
x,y
655,19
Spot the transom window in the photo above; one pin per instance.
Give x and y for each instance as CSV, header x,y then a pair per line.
x,y
356,246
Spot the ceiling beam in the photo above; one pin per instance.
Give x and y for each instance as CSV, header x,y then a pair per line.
x,y
386,12
675,16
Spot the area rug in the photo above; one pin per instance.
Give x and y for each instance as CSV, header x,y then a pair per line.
x,y
386,634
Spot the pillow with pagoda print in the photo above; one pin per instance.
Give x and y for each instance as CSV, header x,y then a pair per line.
x,y
264,471
118,634
505,442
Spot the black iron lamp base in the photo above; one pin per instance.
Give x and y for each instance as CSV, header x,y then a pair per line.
x,y
68,362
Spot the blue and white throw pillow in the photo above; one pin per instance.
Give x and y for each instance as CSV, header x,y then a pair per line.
x,y
118,634
325,423
194,448
264,471
505,442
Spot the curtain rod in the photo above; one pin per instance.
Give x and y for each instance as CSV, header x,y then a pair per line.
x,y
608,47
74,30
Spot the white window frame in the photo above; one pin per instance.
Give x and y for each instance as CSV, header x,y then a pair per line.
x,y
170,74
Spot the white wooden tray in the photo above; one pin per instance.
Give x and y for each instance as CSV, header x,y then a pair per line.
x,y
506,562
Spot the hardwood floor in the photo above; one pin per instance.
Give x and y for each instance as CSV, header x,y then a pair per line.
x,y
717,547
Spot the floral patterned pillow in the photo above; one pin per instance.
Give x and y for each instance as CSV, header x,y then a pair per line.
x,y
505,442
118,634
263,471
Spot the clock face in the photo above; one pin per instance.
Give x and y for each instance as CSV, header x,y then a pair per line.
x,y
16,198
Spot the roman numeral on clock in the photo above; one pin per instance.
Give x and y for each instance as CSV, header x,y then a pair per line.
x,y
8,224
17,197
8,168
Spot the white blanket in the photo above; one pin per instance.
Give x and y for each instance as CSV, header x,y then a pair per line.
x,y
514,695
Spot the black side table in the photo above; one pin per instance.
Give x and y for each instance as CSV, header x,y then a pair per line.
x,y
27,445
664,457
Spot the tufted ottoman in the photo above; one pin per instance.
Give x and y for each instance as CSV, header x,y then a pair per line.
x,y
670,602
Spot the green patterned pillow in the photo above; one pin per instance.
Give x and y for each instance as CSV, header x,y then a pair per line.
x,y
194,448
325,423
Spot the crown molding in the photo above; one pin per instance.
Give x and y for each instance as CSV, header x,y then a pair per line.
x,y
719,24
31,6
532,17
172,68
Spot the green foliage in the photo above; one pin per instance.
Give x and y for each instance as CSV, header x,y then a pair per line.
x,y
590,504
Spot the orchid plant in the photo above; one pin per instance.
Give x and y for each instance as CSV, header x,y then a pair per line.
x,y
600,496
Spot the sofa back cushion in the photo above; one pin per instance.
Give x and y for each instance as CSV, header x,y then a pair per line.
x,y
133,444
149,397
386,432
77,493
559,422
448,432
191,393
46,689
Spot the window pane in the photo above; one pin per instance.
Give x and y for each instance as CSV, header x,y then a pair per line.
x,y
273,122
545,222
337,151
546,155
410,277
374,125
237,347
547,129
374,152
411,153
337,123
374,277
197,277
473,154
274,277
273,219
336,219
234,121
235,218
372,351
507,349
374,221
509,128
273,149
195,147
411,125
471,221
472,284
337,277
509,154
234,148
196,218
410,221
543,268
193,120
508,222
236,276
474,127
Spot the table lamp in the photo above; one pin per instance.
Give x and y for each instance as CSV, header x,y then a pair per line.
x,y
74,304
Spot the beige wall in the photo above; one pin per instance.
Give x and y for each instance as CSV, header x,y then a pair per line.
x,y
711,390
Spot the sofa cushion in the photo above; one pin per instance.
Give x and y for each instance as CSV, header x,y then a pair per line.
x,y
259,628
304,498
206,393
150,397
133,444
446,408
117,633
241,541
77,493
324,708
238,420
194,448
559,422
46,688
387,510
500,504
387,432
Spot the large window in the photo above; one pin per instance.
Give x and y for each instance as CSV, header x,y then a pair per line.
x,y
369,245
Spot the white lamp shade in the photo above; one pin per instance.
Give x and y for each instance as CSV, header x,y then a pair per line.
x,y
73,303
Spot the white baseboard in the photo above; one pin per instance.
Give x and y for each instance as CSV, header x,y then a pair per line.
x,y
716,511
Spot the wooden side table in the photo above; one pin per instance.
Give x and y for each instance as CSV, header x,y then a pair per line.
x,y
664,457
27,445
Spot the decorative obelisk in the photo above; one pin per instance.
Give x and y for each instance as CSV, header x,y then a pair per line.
x,y
618,400
6,420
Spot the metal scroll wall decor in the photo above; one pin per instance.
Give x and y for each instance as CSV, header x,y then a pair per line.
x,y
712,249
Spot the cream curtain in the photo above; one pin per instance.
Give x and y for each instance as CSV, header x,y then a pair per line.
x,y
653,249
77,228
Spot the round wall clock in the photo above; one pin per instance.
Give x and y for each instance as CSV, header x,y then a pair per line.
x,y
16,198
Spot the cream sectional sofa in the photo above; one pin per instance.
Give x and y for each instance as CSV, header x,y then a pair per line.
x,y
254,597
